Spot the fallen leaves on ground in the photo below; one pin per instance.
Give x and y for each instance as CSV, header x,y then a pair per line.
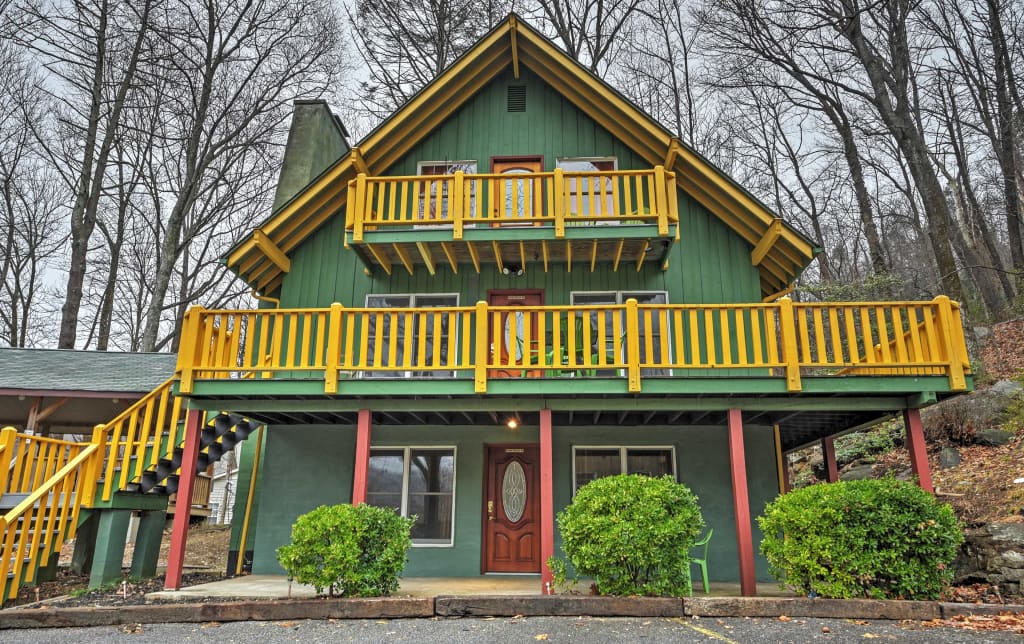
x,y
1004,621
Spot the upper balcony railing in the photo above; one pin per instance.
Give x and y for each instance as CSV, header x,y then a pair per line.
x,y
557,199
631,341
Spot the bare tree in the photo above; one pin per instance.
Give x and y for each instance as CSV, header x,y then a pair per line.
x,y
92,51
591,31
225,79
744,35
30,196
406,43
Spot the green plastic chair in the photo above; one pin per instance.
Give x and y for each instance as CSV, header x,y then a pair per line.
x,y
701,561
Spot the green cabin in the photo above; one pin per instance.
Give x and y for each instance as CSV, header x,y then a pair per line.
x,y
516,284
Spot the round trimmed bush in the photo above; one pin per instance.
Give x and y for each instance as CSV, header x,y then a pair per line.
x,y
632,534
352,550
882,539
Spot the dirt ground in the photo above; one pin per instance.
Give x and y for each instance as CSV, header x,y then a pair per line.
x,y
206,559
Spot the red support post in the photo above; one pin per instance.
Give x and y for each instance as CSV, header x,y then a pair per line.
x,y
547,503
183,507
828,452
741,504
362,464
916,447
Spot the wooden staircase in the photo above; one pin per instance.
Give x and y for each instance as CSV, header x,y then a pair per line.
x,y
45,482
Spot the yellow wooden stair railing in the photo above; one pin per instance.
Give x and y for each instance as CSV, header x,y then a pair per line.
x,y
48,481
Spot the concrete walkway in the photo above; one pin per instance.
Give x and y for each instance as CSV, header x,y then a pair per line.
x,y
277,587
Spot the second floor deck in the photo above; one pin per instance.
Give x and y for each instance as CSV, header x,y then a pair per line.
x,y
628,349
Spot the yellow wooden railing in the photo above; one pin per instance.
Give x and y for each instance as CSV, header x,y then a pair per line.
x,y
61,477
634,341
137,438
58,477
557,199
30,460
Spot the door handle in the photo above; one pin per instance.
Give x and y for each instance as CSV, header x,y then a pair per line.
x,y
490,510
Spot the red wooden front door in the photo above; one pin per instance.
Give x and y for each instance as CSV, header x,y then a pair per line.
x,y
518,341
512,509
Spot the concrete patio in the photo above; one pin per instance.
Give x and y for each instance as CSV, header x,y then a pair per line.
x,y
278,587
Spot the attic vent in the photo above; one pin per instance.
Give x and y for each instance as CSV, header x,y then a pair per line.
x,y
517,98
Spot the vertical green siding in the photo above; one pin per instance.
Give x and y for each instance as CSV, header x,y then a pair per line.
x,y
312,466
303,468
710,264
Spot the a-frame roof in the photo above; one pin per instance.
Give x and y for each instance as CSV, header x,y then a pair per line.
x,y
779,251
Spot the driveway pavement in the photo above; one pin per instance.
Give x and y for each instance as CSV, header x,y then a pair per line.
x,y
589,630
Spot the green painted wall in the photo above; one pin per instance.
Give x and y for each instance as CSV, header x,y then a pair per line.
x,y
307,467
304,467
710,264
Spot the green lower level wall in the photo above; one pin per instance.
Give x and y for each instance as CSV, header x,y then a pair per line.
x,y
305,467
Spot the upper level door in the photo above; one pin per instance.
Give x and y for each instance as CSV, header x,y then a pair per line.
x,y
515,339
518,198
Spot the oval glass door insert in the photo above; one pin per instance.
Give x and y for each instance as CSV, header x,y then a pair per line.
x,y
513,491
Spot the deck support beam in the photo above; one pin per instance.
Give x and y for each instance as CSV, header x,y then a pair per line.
x,y
916,447
741,504
828,453
362,464
547,503
179,529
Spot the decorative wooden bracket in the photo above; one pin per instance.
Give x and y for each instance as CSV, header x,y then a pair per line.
x,y
767,241
675,147
272,251
358,161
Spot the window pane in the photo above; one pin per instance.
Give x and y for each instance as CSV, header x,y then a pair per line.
x,y
393,501
650,462
431,471
385,474
433,514
593,464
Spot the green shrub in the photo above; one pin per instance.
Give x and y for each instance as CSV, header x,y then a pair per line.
x,y
355,550
883,539
632,534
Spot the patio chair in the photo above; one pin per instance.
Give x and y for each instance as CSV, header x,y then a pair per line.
x,y
701,560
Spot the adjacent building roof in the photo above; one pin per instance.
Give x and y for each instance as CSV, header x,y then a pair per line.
x,y
779,251
69,371
69,392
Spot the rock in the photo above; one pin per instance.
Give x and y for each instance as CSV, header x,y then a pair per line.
x,y
1005,388
857,473
949,457
993,437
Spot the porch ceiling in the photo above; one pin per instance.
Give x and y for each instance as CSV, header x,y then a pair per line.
x,y
798,427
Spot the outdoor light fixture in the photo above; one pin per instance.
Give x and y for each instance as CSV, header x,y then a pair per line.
x,y
512,423
513,269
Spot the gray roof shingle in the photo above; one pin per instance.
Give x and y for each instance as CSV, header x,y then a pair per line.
x,y
71,370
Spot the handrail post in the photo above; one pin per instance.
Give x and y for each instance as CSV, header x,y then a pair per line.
x,y
558,201
482,356
661,196
99,438
790,355
633,344
333,357
457,204
8,436
358,215
955,370
188,350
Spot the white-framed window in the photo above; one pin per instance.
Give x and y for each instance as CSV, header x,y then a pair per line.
x,y
597,461
427,329
648,326
432,195
420,482
590,196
